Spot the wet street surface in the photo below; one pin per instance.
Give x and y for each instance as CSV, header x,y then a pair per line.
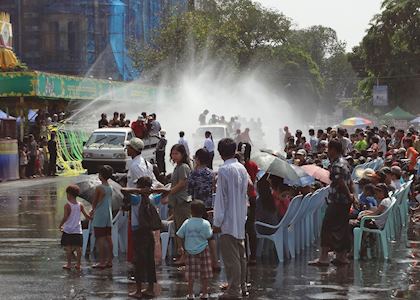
x,y
31,260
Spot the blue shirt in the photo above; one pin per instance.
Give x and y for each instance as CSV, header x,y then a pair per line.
x,y
195,232
369,201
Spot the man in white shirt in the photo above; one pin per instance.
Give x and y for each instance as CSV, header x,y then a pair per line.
x,y
139,166
209,146
183,141
313,140
230,210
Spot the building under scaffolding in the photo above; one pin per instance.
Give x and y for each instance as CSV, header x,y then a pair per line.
x,y
85,37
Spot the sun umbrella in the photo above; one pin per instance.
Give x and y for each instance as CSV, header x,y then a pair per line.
x,y
318,173
303,180
88,187
275,166
355,121
276,154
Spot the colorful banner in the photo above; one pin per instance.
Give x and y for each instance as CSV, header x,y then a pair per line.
x,y
54,86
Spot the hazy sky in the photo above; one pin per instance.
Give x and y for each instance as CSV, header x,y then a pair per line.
x,y
349,18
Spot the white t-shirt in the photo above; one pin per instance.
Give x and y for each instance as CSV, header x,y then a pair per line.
x,y
209,144
380,222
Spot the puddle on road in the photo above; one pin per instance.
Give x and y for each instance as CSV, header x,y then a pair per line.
x,y
30,255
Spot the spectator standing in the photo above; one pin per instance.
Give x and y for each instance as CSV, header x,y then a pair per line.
x,y
195,233
139,127
209,146
122,120
230,210
335,233
32,149
115,122
52,150
155,127
202,117
313,141
160,152
183,141
103,122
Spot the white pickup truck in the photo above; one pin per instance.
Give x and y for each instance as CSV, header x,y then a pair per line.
x,y
107,146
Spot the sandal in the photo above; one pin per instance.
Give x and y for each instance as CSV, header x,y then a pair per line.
x,y
189,297
77,267
67,267
147,293
204,296
318,263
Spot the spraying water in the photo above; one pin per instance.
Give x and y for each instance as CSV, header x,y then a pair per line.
x,y
221,90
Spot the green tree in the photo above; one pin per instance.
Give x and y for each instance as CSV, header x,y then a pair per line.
x,y
390,53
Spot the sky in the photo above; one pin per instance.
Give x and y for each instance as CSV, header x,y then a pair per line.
x,y
349,18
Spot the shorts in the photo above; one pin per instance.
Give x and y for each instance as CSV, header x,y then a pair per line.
x,y
102,231
72,239
198,266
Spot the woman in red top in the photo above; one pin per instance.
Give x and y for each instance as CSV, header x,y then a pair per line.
x,y
411,153
282,194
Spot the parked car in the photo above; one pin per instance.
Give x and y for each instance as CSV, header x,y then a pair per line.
x,y
107,146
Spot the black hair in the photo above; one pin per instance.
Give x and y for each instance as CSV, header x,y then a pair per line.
x,y
181,149
208,133
311,131
370,188
264,194
336,145
245,149
181,134
144,182
203,156
227,148
198,209
408,141
106,171
116,113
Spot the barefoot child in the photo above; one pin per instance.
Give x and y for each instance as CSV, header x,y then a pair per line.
x,y
195,233
71,226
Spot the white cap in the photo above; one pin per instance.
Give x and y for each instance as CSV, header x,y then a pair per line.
x,y
136,143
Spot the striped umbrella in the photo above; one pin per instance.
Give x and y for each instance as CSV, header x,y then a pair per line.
x,y
356,121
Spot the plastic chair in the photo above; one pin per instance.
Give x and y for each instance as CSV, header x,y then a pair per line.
x,y
280,235
382,232
296,229
311,219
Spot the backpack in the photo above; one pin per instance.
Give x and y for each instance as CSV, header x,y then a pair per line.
x,y
149,218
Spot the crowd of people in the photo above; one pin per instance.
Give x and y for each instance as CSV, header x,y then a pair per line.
x,y
38,150
203,203
145,125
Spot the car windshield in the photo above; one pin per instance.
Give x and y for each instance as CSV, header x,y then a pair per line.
x,y
106,139
218,133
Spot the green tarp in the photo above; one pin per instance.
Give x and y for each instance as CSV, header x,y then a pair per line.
x,y
54,86
399,114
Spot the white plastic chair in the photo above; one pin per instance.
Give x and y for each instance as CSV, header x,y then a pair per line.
x,y
296,230
279,237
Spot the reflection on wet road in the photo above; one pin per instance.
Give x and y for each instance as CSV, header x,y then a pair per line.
x,y
31,260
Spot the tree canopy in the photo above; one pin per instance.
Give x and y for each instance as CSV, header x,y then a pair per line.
x,y
306,64
389,54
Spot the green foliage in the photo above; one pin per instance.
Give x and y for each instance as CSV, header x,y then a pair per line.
x,y
390,53
306,64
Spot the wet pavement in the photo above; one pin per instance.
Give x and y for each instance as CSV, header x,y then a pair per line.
x,y
31,260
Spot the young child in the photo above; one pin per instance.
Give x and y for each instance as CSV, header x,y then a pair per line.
x,y
195,233
71,226
143,239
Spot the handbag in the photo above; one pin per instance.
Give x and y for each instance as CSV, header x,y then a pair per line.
x,y
149,218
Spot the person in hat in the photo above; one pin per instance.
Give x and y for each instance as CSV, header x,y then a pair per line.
x,y
139,127
300,157
139,166
160,152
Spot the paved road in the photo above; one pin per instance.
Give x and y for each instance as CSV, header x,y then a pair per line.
x,y
31,260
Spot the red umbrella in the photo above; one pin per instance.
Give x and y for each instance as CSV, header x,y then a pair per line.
x,y
317,173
